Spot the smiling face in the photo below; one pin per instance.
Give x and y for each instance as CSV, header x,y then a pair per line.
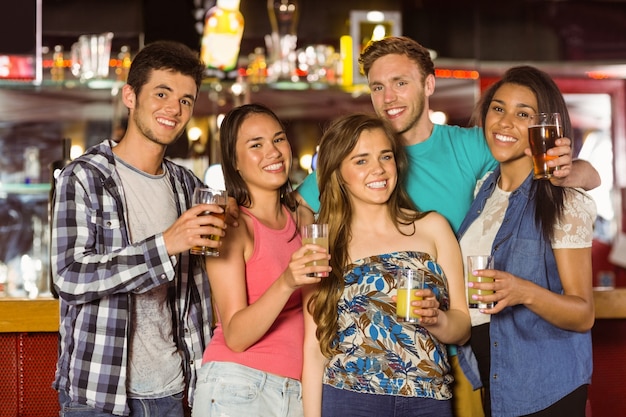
x,y
369,171
263,153
506,124
163,107
399,92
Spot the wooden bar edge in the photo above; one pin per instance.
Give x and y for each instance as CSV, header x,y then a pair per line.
x,y
29,315
42,314
610,304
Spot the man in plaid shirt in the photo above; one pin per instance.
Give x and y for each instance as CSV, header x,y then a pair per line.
x,y
135,306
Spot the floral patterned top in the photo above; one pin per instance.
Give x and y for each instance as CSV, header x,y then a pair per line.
x,y
377,354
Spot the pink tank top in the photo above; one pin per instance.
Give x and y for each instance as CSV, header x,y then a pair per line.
x,y
280,351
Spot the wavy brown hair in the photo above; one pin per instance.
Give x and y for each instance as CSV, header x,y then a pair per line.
x,y
336,210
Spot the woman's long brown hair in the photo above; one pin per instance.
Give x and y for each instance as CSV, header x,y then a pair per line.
x,y
336,210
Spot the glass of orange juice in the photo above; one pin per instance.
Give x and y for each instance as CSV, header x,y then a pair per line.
x,y
408,280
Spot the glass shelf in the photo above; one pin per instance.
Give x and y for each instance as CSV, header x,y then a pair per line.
x,y
69,84
31,189
99,99
207,84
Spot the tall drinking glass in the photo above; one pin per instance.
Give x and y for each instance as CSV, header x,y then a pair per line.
x,y
316,234
543,131
475,262
408,280
281,44
208,195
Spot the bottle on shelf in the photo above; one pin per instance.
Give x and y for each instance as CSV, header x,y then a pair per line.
x,y
32,166
123,63
57,71
257,66
221,40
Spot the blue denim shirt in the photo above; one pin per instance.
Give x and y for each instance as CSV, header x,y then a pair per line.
x,y
533,363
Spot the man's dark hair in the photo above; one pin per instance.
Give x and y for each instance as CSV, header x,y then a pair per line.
x,y
164,55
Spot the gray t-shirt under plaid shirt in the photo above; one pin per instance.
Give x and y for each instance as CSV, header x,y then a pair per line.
x,y
155,368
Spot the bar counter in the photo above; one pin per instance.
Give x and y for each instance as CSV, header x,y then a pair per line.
x,y
610,304
42,314
28,353
29,315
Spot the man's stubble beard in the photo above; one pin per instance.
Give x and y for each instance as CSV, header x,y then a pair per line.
x,y
149,134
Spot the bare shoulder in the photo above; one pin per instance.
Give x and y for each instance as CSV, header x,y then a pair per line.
x,y
435,223
240,235
304,215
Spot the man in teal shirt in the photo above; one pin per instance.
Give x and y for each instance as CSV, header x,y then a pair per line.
x,y
443,171
445,161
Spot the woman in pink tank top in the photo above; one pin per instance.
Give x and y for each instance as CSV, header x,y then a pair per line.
x,y
253,363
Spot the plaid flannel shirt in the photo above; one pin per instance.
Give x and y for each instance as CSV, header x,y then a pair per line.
x,y
95,268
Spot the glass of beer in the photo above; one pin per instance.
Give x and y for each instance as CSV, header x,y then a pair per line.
x,y
317,234
476,262
408,280
208,195
543,131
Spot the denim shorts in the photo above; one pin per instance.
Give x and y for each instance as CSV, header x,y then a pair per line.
x,y
228,389
340,403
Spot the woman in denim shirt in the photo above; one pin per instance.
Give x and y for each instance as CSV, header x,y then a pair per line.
x,y
534,354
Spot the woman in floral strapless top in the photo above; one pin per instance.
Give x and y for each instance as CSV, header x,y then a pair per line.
x,y
358,359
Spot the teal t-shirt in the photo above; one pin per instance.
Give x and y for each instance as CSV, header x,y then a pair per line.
x,y
443,171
